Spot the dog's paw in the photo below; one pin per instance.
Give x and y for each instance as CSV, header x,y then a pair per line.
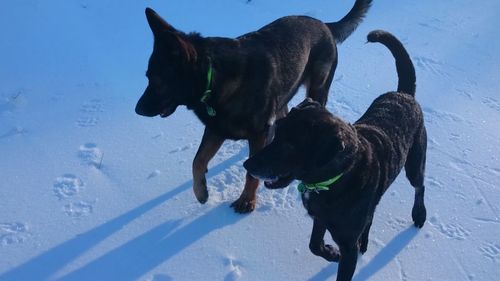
x,y
201,192
419,214
330,253
363,246
243,205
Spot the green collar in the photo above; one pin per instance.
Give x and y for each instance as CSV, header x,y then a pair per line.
x,y
316,187
208,92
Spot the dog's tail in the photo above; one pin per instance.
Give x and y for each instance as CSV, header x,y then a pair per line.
x,y
404,66
346,26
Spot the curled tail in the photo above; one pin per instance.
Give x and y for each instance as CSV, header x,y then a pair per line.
x,y
404,66
346,26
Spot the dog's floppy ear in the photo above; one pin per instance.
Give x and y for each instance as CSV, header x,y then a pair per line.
x,y
305,104
336,147
157,24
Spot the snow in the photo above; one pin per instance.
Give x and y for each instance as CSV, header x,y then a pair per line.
x,y
91,191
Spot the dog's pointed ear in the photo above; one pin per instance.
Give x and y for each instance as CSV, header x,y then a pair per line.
x,y
157,24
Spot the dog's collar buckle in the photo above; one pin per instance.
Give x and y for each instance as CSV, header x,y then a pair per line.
x,y
208,92
320,186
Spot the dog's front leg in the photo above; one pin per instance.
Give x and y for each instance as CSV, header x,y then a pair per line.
x,y
248,198
317,244
347,263
210,144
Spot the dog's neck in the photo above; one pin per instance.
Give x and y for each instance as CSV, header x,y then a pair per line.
x,y
319,186
223,70
342,164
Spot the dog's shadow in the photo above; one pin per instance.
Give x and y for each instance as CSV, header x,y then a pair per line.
x,y
139,255
382,259
142,254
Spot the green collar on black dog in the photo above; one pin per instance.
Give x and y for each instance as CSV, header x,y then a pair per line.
x,y
316,187
208,92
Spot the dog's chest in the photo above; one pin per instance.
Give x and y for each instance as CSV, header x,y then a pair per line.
x,y
312,203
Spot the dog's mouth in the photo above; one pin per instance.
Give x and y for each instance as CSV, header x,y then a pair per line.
x,y
275,182
168,109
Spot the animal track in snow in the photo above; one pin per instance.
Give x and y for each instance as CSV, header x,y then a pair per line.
x,y
89,110
434,116
450,230
154,174
227,185
343,104
495,171
10,102
430,65
454,137
486,220
67,185
179,149
433,24
434,182
490,250
491,103
13,132
87,121
92,106
397,223
78,209
285,198
90,154
464,93
12,233
235,269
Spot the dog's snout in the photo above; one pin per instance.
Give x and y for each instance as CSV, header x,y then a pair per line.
x,y
248,165
254,165
147,105
140,110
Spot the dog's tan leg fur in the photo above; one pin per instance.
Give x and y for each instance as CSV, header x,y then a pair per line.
x,y
246,202
210,144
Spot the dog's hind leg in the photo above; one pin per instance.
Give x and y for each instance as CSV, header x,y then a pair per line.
x,y
246,202
320,79
210,144
363,240
415,170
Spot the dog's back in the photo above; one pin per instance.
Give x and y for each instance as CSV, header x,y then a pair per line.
x,y
302,48
394,121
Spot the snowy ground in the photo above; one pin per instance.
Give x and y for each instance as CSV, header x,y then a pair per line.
x,y
91,191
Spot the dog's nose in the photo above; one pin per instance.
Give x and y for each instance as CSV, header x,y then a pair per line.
x,y
246,164
144,106
139,110
255,166
252,165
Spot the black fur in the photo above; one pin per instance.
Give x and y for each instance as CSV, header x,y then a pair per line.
x,y
254,77
313,145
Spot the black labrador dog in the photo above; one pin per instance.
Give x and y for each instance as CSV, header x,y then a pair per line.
x,y
345,169
238,87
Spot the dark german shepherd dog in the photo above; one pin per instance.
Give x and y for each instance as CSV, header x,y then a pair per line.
x,y
345,169
238,87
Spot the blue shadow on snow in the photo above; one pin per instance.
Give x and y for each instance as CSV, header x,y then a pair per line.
x,y
45,265
383,258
